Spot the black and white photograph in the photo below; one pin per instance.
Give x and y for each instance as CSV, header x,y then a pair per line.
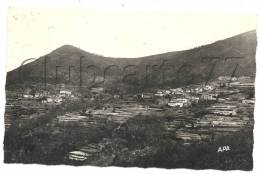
x,y
130,88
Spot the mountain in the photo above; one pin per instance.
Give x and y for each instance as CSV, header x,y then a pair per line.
x,y
234,55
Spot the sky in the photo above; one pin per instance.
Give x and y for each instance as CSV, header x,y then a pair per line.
x,y
34,32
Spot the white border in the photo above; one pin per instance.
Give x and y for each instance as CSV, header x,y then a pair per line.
x,y
226,6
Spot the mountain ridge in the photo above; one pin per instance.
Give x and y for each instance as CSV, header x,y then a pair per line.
x,y
242,45
178,51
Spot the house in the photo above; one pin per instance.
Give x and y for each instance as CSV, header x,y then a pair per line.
x,y
64,92
27,96
179,102
116,96
147,96
197,90
167,91
248,101
193,99
211,97
234,78
58,100
244,78
162,101
222,99
247,85
188,91
177,91
78,156
97,90
38,95
159,94
208,88
232,84
47,100
85,153
224,78
227,110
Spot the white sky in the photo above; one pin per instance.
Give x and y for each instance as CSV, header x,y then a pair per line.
x,y
37,31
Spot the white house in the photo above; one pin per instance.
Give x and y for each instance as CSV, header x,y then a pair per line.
x,y
223,110
180,102
65,92
209,96
27,96
159,94
248,101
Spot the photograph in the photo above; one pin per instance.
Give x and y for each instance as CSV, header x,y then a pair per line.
x,y
130,88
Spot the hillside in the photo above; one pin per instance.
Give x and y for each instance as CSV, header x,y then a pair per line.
x,y
181,67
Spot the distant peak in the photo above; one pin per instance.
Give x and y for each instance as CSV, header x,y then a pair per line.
x,y
67,47
70,49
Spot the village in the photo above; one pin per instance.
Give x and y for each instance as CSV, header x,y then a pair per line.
x,y
194,113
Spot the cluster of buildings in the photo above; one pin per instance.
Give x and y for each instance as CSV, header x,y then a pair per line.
x,y
227,110
84,153
240,82
183,97
214,93
57,98
180,102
